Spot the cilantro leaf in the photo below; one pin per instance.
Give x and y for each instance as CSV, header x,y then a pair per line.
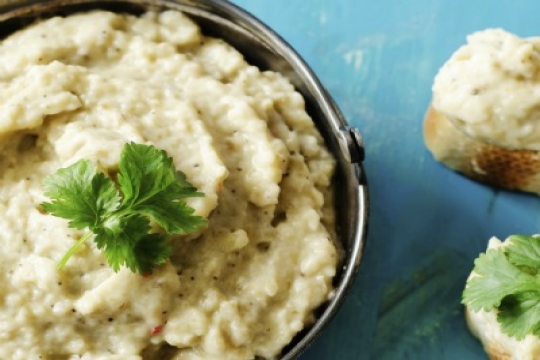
x,y
146,172
129,243
519,314
525,252
152,186
80,194
497,278
166,211
150,247
143,172
506,280
149,189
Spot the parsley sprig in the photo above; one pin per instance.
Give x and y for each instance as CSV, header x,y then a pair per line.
x,y
119,214
508,280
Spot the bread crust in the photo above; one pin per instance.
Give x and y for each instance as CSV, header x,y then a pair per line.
x,y
497,345
487,163
493,349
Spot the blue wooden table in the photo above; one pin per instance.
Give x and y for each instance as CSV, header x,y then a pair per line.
x,y
427,224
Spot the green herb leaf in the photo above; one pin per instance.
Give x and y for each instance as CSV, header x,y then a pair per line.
x,y
150,188
519,314
506,279
130,243
525,253
81,194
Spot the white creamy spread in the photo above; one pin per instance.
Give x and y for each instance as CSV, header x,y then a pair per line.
x,y
490,88
83,86
484,325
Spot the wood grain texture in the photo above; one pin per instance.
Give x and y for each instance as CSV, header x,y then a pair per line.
x,y
378,60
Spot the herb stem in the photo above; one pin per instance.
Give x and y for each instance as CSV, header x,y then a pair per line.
x,y
72,250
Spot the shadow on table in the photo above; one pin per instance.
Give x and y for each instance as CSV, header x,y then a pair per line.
x,y
421,311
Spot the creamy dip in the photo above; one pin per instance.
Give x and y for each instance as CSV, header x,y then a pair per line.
x,y
490,88
83,86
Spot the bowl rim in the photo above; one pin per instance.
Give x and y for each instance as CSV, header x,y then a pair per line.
x,y
344,141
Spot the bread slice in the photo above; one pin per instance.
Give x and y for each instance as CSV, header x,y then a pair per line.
x,y
484,326
498,345
488,163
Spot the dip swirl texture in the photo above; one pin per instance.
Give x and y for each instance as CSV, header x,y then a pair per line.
x,y
84,85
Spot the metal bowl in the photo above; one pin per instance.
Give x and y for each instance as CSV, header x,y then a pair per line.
x,y
264,48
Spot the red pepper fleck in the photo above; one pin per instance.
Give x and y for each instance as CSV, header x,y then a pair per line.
x,y
157,329
147,274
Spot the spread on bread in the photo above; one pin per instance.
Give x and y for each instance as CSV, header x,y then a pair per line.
x,y
484,119
491,90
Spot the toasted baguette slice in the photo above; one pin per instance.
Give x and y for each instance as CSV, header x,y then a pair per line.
x,y
487,163
498,345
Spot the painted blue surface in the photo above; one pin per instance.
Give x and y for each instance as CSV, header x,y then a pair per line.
x,y
378,60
